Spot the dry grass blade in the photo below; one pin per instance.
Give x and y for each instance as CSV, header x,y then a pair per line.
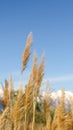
x,y
47,100
61,116
6,94
17,112
11,88
47,107
40,73
55,118
34,68
18,104
27,52
28,100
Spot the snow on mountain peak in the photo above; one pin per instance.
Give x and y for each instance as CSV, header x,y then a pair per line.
x,y
58,94
1,93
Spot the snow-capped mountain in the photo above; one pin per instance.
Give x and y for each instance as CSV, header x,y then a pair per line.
x,y
55,96
58,94
1,93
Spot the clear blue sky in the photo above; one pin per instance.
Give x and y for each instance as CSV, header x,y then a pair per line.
x,y
51,22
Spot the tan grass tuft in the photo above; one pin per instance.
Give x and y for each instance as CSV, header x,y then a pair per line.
x,y
11,88
40,73
27,52
6,94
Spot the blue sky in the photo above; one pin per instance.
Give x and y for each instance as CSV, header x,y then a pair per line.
x,y
51,22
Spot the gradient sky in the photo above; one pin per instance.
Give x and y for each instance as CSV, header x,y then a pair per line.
x,y
51,22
